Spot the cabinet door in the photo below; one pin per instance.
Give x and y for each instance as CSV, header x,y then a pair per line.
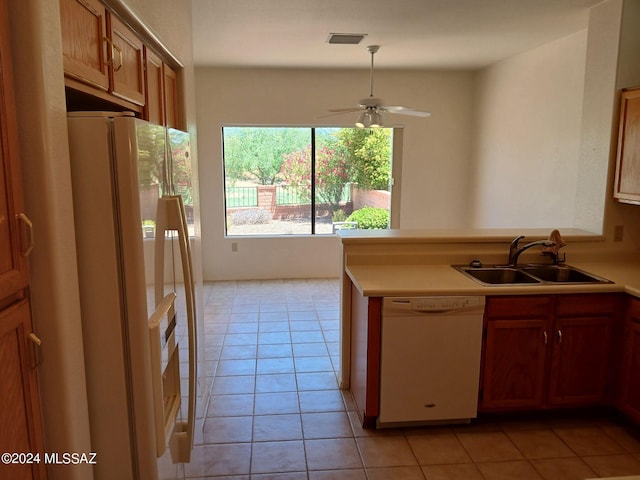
x,y
154,104
84,48
366,327
514,364
172,112
580,361
127,62
14,227
20,423
627,177
630,377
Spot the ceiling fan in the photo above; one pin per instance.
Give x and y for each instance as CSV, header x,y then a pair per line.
x,y
372,107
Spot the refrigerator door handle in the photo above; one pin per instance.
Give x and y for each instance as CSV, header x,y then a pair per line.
x,y
171,216
165,369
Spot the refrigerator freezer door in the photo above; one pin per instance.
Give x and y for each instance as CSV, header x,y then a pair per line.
x,y
113,297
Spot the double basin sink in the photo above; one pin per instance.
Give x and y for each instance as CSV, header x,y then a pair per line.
x,y
531,274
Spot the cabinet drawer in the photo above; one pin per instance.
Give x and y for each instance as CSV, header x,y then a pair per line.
x,y
519,307
587,304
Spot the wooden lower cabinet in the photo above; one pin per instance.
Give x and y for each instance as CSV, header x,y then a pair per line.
x,y
515,352
540,352
20,423
580,361
629,400
548,351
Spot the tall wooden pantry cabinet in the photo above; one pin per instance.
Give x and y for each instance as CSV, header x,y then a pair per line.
x,y
20,422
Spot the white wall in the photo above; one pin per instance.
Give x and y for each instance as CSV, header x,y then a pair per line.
x,y
599,112
527,137
436,156
525,143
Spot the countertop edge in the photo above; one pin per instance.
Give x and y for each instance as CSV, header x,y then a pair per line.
x,y
430,280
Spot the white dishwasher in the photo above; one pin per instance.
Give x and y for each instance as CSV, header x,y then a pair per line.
x,y
430,359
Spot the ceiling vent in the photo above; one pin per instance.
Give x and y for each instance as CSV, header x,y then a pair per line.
x,y
346,38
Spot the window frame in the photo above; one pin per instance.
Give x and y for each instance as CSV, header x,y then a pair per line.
x,y
395,183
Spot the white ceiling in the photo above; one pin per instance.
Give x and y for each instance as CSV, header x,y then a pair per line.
x,y
416,34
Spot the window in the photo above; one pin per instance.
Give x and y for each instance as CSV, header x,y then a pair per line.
x,y
303,181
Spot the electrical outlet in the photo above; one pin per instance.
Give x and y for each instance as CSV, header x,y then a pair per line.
x,y
618,233
234,246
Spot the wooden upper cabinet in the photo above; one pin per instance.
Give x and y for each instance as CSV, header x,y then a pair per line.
x,y
105,60
161,106
84,45
627,177
126,58
154,104
171,105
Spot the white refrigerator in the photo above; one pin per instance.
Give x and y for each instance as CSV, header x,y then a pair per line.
x,y
136,222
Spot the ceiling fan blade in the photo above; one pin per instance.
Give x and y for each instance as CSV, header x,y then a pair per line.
x,y
345,110
404,110
339,111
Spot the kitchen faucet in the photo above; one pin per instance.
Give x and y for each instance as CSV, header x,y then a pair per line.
x,y
515,251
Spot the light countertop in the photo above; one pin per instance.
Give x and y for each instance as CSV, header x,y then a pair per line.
x,y
469,235
423,280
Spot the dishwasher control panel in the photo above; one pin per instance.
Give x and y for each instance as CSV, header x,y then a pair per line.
x,y
432,304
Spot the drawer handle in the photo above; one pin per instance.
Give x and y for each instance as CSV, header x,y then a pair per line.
x,y
559,336
36,342
546,338
28,234
117,49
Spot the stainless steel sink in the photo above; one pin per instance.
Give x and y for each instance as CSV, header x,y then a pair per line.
x,y
529,275
497,275
562,274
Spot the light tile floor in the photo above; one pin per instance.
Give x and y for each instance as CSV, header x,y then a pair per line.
x,y
276,411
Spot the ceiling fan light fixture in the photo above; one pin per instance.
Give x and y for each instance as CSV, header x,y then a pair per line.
x,y
369,118
375,119
363,120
